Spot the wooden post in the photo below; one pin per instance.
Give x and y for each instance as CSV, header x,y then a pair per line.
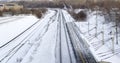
x,y
116,34
96,23
113,47
103,35
88,28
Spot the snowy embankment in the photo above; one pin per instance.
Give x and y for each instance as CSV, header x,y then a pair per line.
x,y
101,37
9,30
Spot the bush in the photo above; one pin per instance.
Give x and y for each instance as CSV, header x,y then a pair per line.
x,y
5,10
25,11
81,16
37,13
1,13
43,10
13,12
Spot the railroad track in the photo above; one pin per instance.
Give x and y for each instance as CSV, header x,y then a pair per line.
x,y
8,56
69,45
83,54
79,47
64,51
70,48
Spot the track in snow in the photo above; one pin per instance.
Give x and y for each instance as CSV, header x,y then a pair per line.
x,y
64,52
70,48
81,49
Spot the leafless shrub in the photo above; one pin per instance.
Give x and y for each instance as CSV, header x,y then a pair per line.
x,y
43,10
25,11
1,13
37,13
78,16
5,10
13,12
81,15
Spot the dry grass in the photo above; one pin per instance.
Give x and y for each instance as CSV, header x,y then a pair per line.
x,y
43,10
37,12
1,13
25,11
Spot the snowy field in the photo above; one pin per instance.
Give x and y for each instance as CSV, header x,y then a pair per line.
x,y
13,26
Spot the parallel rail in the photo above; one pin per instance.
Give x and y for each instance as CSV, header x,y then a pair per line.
x,y
81,49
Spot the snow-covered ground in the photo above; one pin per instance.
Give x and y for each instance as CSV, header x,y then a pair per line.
x,y
23,39
26,39
9,30
102,40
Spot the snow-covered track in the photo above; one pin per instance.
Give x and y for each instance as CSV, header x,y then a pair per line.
x,y
64,50
49,40
71,48
80,47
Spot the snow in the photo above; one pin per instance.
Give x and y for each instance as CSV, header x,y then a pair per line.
x,y
11,29
101,52
46,51
67,16
78,10
40,43
32,44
